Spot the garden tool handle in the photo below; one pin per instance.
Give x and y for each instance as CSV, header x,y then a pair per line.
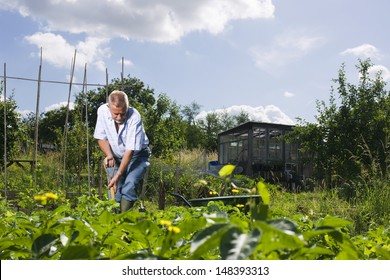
x,y
109,177
112,193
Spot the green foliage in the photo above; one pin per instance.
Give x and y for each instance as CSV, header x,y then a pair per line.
x,y
218,231
351,131
348,146
164,128
15,132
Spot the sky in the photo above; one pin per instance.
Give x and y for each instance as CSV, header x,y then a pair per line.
x,y
271,59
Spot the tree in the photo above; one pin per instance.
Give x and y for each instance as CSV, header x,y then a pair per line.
x,y
165,127
190,112
211,126
15,131
51,125
352,131
140,97
243,117
193,134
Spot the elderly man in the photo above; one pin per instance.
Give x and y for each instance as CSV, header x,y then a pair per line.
x,y
122,138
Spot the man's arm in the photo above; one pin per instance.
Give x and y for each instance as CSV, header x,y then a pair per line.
x,y
106,149
122,169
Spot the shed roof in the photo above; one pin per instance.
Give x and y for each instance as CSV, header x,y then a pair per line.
x,y
251,125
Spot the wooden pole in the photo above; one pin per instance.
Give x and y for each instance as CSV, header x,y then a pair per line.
x,y
65,140
87,126
5,130
37,115
106,85
122,73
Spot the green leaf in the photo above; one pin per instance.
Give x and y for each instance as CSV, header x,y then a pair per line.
x,y
347,254
312,253
60,209
79,252
238,246
284,225
307,235
226,170
263,192
259,212
335,222
382,253
106,218
273,239
207,239
114,240
42,244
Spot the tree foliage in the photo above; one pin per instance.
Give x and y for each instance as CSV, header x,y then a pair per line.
x,y
351,133
14,131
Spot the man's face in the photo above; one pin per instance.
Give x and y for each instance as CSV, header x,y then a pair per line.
x,y
118,113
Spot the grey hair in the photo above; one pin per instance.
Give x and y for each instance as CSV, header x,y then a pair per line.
x,y
118,99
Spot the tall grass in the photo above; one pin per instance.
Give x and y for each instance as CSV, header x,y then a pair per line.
x,y
367,205
372,190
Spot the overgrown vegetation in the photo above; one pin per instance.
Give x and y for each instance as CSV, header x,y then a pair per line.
x,y
345,215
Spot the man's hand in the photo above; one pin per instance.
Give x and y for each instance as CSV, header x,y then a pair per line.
x,y
113,183
109,161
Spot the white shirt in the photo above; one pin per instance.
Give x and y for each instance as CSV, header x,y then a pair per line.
x,y
130,135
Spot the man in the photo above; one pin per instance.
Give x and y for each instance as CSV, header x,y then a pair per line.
x,y
122,138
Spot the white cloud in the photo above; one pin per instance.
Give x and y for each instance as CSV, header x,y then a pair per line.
x,y
58,106
385,72
267,114
153,20
365,50
25,113
288,94
126,62
57,51
162,21
284,49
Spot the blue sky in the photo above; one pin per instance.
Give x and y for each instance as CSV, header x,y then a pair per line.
x,y
273,59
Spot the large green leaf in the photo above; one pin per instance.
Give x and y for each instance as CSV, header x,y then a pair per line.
x,y
273,239
13,248
284,225
262,189
312,253
106,218
259,212
307,235
226,170
238,246
335,222
382,253
207,239
42,245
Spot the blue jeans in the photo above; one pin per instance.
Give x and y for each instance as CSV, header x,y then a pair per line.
x,y
129,182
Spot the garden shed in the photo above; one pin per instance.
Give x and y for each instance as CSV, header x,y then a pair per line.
x,y
260,151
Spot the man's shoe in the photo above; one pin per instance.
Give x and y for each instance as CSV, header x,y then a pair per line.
x,y
126,205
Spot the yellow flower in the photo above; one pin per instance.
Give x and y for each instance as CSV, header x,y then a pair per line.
x,y
173,229
235,191
41,198
38,197
165,223
240,205
51,196
213,193
226,170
